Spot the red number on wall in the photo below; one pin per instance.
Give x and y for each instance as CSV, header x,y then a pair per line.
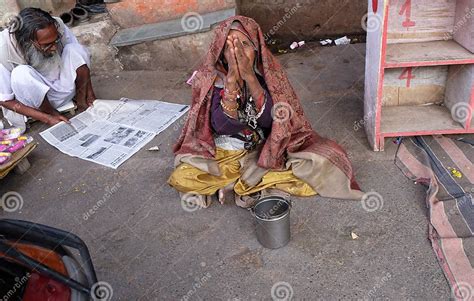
x,y
407,74
406,10
375,4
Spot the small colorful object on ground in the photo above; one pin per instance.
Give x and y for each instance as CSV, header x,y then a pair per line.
x,y
11,141
4,157
456,173
9,134
295,45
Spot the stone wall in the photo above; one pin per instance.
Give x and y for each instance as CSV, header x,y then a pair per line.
x,y
180,53
55,7
95,35
7,8
290,20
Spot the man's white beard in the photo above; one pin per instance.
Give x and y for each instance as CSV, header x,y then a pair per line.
x,y
42,63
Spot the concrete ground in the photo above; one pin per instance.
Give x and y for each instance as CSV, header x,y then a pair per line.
x,y
148,248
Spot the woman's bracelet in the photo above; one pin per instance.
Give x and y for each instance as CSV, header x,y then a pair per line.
x,y
227,96
231,92
230,109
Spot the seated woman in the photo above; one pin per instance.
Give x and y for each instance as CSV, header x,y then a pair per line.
x,y
246,133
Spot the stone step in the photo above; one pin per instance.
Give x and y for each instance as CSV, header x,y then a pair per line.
x,y
188,24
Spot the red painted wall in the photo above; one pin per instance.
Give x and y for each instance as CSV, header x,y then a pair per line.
x,y
132,13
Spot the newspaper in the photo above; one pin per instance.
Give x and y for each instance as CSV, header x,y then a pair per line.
x,y
111,131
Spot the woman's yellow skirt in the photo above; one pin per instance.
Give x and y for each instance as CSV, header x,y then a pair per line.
x,y
187,178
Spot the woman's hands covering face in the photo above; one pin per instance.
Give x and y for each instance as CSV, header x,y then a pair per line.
x,y
233,74
240,58
244,54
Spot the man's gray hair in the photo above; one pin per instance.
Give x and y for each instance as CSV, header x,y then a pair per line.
x,y
29,21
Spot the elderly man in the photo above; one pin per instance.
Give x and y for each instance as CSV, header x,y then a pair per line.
x,y
42,67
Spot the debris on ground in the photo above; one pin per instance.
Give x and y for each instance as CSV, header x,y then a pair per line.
x,y
295,45
397,141
455,173
354,236
12,141
471,142
342,41
190,80
154,148
326,42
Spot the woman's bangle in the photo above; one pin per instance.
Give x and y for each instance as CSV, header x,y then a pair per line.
x,y
223,93
231,92
231,98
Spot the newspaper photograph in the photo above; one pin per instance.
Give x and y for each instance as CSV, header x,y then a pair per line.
x,y
111,131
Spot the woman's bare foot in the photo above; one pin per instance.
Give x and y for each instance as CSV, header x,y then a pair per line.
x,y
226,194
220,196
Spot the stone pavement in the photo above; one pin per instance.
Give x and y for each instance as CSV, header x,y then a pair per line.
x,y
148,248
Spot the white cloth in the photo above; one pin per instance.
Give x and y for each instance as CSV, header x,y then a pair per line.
x,y
229,143
28,86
